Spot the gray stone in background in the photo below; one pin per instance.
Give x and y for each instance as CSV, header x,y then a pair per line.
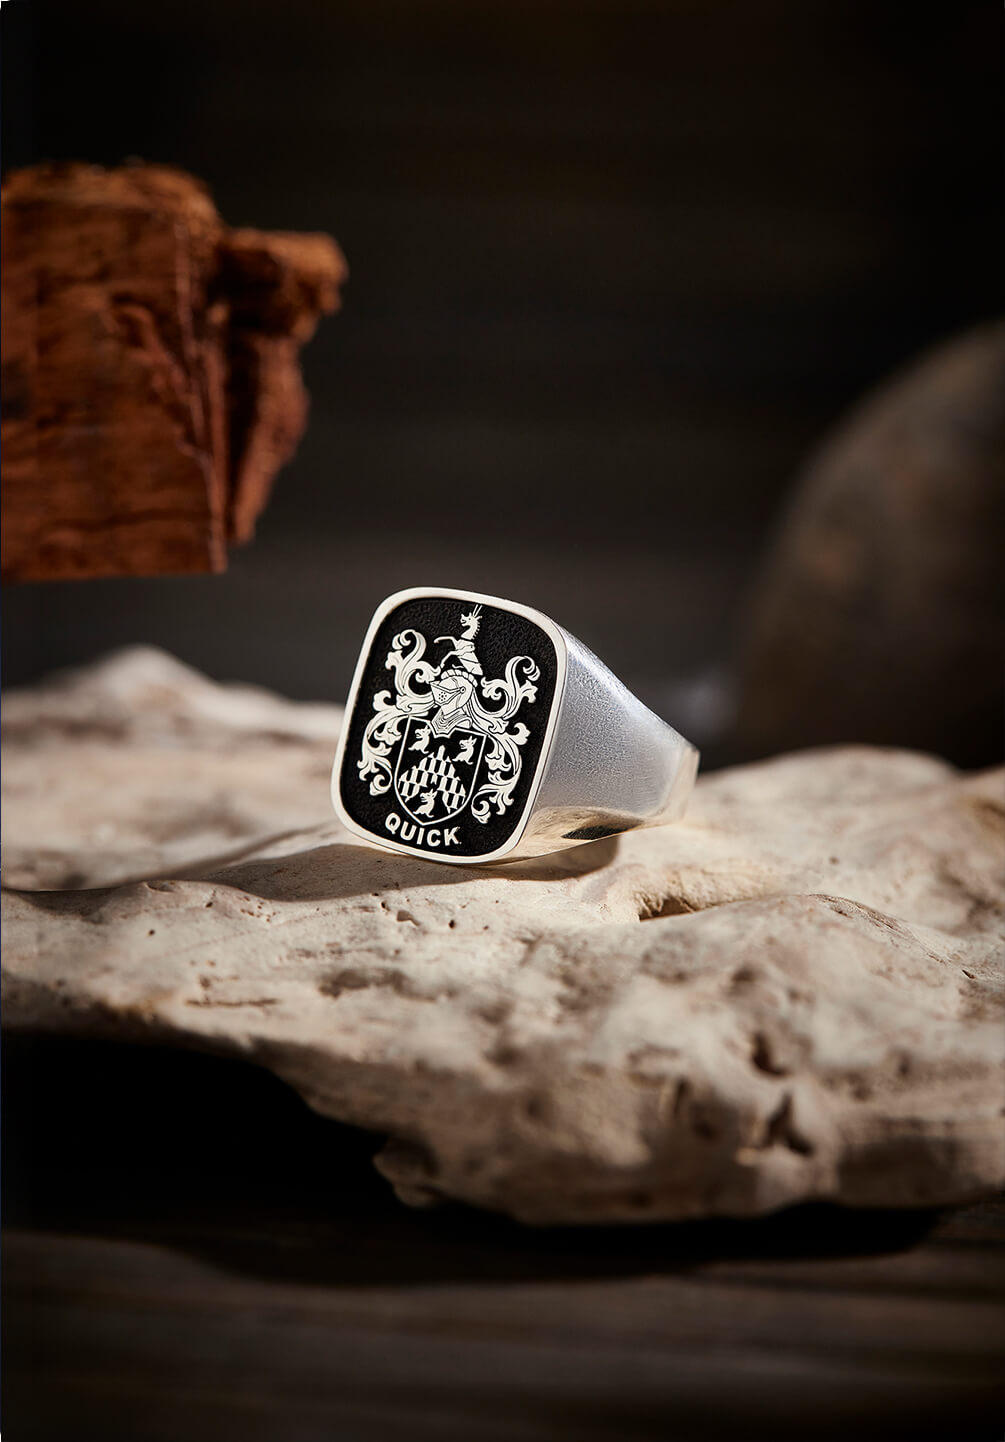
x,y
794,994
879,610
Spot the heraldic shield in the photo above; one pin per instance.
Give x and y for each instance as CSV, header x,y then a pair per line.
x,y
447,724
436,776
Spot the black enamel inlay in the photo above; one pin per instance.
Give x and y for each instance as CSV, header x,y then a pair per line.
x,y
444,769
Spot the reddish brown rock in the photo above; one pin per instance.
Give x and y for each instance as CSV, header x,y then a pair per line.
x,y
151,389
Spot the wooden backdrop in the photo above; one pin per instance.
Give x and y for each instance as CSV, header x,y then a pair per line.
x,y
614,267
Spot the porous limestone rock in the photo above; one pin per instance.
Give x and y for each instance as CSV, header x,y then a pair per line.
x,y
794,994
138,764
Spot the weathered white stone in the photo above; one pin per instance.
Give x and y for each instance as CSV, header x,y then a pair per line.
x,y
138,764
795,994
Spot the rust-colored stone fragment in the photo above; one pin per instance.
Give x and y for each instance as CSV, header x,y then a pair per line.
x,y
150,382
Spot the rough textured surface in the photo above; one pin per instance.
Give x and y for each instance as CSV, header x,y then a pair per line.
x,y
879,614
138,765
151,389
794,994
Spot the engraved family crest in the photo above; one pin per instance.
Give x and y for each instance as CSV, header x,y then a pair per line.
x,y
436,785
447,741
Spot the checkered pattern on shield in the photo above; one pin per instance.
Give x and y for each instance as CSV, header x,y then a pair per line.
x,y
434,773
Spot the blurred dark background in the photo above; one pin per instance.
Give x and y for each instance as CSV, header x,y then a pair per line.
x,y
614,269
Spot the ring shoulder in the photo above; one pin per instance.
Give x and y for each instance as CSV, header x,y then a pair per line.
x,y
613,764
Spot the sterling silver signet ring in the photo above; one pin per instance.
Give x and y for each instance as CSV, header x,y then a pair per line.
x,y
478,730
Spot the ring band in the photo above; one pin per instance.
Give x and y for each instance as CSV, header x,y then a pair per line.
x,y
477,729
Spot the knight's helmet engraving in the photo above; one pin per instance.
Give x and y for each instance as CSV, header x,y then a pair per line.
x,y
458,675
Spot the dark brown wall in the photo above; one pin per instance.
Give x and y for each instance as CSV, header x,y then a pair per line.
x,y
614,267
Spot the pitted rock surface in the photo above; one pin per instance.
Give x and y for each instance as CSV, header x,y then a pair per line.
x,y
794,994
